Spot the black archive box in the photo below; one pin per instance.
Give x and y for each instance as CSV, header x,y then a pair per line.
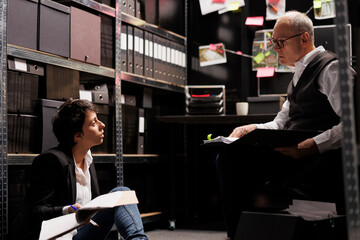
x,y
265,104
23,133
22,23
54,28
22,92
107,41
275,226
48,111
105,115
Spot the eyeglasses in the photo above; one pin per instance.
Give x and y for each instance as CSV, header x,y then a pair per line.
x,y
280,43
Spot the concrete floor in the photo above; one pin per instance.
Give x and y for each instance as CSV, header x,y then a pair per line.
x,y
181,234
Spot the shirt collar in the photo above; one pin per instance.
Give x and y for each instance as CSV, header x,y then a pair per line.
x,y
88,160
304,61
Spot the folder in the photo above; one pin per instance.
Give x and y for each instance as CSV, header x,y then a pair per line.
x,y
139,51
138,10
183,66
130,49
163,59
151,55
141,131
168,61
124,7
270,138
124,38
146,55
156,59
131,7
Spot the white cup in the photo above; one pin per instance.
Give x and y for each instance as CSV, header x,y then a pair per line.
x,y
242,108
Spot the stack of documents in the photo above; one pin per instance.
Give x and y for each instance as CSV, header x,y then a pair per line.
x,y
312,211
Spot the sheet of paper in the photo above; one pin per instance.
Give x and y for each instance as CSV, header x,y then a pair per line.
x,y
222,139
112,199
207,6
312,210
52,227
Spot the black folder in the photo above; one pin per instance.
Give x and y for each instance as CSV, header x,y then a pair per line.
x,y
139,51
270,138
141,131
124,38
130,49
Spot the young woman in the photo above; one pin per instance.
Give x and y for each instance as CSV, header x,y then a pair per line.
x,y
64,178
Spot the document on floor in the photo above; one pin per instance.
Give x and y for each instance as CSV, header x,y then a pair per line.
x,y
59,226
311,210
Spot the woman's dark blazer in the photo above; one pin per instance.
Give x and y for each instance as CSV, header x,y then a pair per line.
x,y
52,186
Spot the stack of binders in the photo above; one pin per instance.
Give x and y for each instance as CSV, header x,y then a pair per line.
x,y
148,55
205,99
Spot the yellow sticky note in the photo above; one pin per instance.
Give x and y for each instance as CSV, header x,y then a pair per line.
x,y
267,53
269,34
317,4
234,6
259,57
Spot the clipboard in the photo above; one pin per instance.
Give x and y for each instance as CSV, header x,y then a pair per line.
x,y
269,138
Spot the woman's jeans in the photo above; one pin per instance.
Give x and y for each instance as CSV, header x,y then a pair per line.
x,y
126,218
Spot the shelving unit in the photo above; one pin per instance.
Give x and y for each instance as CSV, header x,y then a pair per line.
x,y
117,158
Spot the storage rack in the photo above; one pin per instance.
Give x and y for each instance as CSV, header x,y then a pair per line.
x,y
349,147
118,158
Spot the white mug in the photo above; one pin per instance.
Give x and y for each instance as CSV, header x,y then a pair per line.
x,y
242,108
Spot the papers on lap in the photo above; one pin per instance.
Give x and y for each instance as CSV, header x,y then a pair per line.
x,y
56,227
265,137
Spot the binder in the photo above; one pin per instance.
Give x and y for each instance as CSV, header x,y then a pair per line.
x,y
139,51
168,62
130,49
138,12
131,7
172,62
177,63
151,55
141,131
183,66
163,59
123,40
146,55
123,6
156,59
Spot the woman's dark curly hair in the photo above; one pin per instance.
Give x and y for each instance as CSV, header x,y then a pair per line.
x,y
69,120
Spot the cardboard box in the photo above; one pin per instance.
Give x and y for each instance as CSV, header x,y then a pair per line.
x,y
85,36
22,23
54,28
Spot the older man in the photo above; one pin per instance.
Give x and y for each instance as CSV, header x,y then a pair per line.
x,y
313,103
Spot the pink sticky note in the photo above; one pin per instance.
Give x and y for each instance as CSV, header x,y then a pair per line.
x,y
212,47
218,1
239,52
265,72
254,21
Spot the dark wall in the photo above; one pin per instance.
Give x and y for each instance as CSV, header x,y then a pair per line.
x,y
229,28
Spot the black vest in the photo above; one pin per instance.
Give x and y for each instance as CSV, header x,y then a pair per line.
x,y
309,108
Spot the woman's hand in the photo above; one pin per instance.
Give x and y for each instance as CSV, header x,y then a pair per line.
x,y
302,150
72,210
242,130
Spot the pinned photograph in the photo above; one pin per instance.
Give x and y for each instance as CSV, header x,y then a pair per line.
x,y
212,54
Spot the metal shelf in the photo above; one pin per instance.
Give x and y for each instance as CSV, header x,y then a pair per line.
x,y
99,7
152,82
140,158
153,28
105,9
26,159
29,54
151,217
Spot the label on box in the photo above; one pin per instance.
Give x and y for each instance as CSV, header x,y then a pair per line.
x,y
20,64
130,42
141,124
141,45
123,41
